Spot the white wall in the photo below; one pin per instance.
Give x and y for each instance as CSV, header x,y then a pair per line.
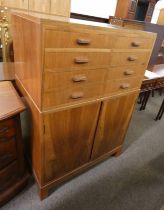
x,y
98,8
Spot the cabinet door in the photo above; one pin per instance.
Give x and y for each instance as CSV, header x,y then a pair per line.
x,y
60,7
39,5
68,139
113,123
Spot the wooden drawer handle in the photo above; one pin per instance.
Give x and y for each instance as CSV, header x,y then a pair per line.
x,y
136,44
81,60
77,95
79,78
81,41
132,58
128,72
125,86
4,130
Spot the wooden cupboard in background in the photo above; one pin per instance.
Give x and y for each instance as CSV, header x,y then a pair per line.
x,y
55,7
161,17
135,9
83,82
19,4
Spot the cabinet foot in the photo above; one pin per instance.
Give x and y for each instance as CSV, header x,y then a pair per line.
x,y
43,193
118,152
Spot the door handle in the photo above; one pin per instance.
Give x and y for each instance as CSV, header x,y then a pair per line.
x,y
136,44
79,78
125,86
77,95
128,72
82,41
132,58
79,60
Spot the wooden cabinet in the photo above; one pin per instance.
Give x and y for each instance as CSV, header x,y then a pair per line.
x,y
113,122
13,176
82,85
55,7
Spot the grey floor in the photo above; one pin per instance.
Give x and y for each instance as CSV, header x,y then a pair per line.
x,y
132,181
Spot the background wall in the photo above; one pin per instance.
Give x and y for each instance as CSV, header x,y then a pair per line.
x,y
98,8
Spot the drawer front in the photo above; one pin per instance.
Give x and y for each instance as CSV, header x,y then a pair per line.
x,y
129,59
57,61
124,72
67,39
123,85
7,152
8,175
133,43
76,78
7,129
71,95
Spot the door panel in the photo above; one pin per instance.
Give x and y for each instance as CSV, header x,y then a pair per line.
x,y
68,139
113,123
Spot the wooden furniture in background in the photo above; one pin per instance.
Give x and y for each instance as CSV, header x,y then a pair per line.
x,y
13,176
7,71
55,7
135,9
160,20
160,112
79,77
152,84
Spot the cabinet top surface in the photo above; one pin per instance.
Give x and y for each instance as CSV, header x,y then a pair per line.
x,y
51,19
10,102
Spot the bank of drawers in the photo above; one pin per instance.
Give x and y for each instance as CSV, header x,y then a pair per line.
x,y
68,39
7,143
82,66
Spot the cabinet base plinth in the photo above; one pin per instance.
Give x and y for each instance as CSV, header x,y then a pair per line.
x,y
44,190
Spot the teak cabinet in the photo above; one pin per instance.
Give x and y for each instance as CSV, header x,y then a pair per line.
x,y
80,82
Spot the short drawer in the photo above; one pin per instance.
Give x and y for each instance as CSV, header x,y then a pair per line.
x,y
124,72
57,61
132,43
7,152
71,95
76,78
7,129
129,59
122,85
8,175
68,39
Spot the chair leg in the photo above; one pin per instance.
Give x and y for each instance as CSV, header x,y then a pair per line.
x,y
160,112
145,100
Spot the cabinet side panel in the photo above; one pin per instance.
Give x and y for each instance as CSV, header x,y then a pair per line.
x,y
113,123
32,132
68,139
27,55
